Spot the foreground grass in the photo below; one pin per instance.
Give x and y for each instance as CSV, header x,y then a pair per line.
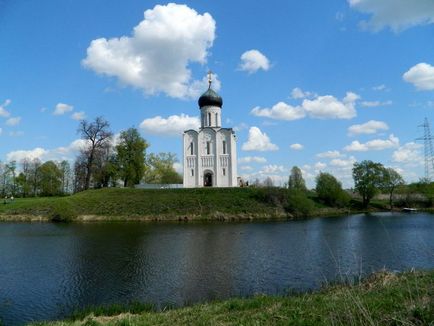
x,y
382,299
161,204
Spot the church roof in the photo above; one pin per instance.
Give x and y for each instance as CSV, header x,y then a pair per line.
x,y
210,98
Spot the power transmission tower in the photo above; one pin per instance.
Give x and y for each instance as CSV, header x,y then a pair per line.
x,y
428,149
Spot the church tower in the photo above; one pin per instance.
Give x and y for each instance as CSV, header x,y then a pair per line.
x,y
210,153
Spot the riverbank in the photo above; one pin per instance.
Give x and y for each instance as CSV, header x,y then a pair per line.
x,y
384,298
114,204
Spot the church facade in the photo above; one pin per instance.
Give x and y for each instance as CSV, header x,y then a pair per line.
x,y
210,153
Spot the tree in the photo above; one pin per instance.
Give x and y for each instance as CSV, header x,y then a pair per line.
x,y
131,154
368,179
391,181
159,169
330,191
98,136
50,179
268,182
296,181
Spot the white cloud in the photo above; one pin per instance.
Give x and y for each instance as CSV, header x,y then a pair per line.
x,y
298,93
253,60
396,14
373,145
252,159
241,126
178,167
78,116
62,108
174,125
18,156
373,104
328,107
272,169
296,147
329,154
370,127
421,76
13,121
320,165
246,168
409,153
280,111
258,141
343,163
3,112
157,55
381,87
1,131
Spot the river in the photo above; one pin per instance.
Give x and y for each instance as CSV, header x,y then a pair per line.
x,y
48,270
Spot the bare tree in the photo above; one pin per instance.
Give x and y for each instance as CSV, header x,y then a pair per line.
x,y
98,136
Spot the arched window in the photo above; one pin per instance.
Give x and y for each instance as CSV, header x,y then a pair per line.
x,y
209,119
224,147
217,119
192,172
208,147
224,171
191,149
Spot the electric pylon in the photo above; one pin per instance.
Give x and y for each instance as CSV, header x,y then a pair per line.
x,y
428,149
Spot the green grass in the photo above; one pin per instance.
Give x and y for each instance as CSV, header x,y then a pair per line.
x,y
162,204
381,299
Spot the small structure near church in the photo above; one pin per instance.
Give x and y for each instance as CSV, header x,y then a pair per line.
x,y
210,154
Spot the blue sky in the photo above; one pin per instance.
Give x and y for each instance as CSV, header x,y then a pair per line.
x,y
318,84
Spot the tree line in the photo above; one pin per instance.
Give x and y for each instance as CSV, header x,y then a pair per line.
x,y
101,162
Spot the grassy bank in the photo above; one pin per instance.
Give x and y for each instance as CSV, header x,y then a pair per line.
x,y
382,299
162,204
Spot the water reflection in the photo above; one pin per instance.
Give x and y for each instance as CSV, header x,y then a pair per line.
x,y
48,270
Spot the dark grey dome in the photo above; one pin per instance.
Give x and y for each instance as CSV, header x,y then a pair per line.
x,y
210,98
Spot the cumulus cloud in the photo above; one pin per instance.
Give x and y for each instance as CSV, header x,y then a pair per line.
x,y
298,93
381,87
370,127
320,107
62,108
320,165
3,112
373,104
296,147
252,159
373,145
78,116
421,76
329,107
13,121
343,163
258,141
254,60
272,169
20,155
246,168
329,154
156,57
174,125
409,153
396,14
280,111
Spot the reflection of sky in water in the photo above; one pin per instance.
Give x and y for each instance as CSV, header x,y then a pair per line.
x,y
47,270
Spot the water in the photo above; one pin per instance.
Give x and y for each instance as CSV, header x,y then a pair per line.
x,y
48,270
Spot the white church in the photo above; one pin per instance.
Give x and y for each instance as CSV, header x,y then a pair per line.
x,y
210,153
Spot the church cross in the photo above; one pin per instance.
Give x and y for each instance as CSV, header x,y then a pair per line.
x,y
209,78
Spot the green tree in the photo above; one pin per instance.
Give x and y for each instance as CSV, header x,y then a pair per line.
x,y
330,191
296,181
131,154
298,204
391,181
368,179
50,179
159,169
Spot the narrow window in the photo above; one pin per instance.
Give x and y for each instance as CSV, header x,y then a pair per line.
x,y
216,119
224,171
208,147
224,146
209,119
191,149
192,172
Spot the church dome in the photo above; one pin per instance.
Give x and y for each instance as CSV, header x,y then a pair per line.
x,y
210,98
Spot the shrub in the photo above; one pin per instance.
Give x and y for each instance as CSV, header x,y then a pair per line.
x,y
298,204
61,211
329,190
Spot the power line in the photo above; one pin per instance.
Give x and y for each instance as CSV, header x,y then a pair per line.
x,y
428,149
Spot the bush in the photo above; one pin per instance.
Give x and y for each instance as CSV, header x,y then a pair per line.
x,y
271,195
329,190
298,204
61,211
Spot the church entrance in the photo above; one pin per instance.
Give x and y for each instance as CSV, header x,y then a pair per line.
x,y
207,179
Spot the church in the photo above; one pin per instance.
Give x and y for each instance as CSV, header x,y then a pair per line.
x,y
210,153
